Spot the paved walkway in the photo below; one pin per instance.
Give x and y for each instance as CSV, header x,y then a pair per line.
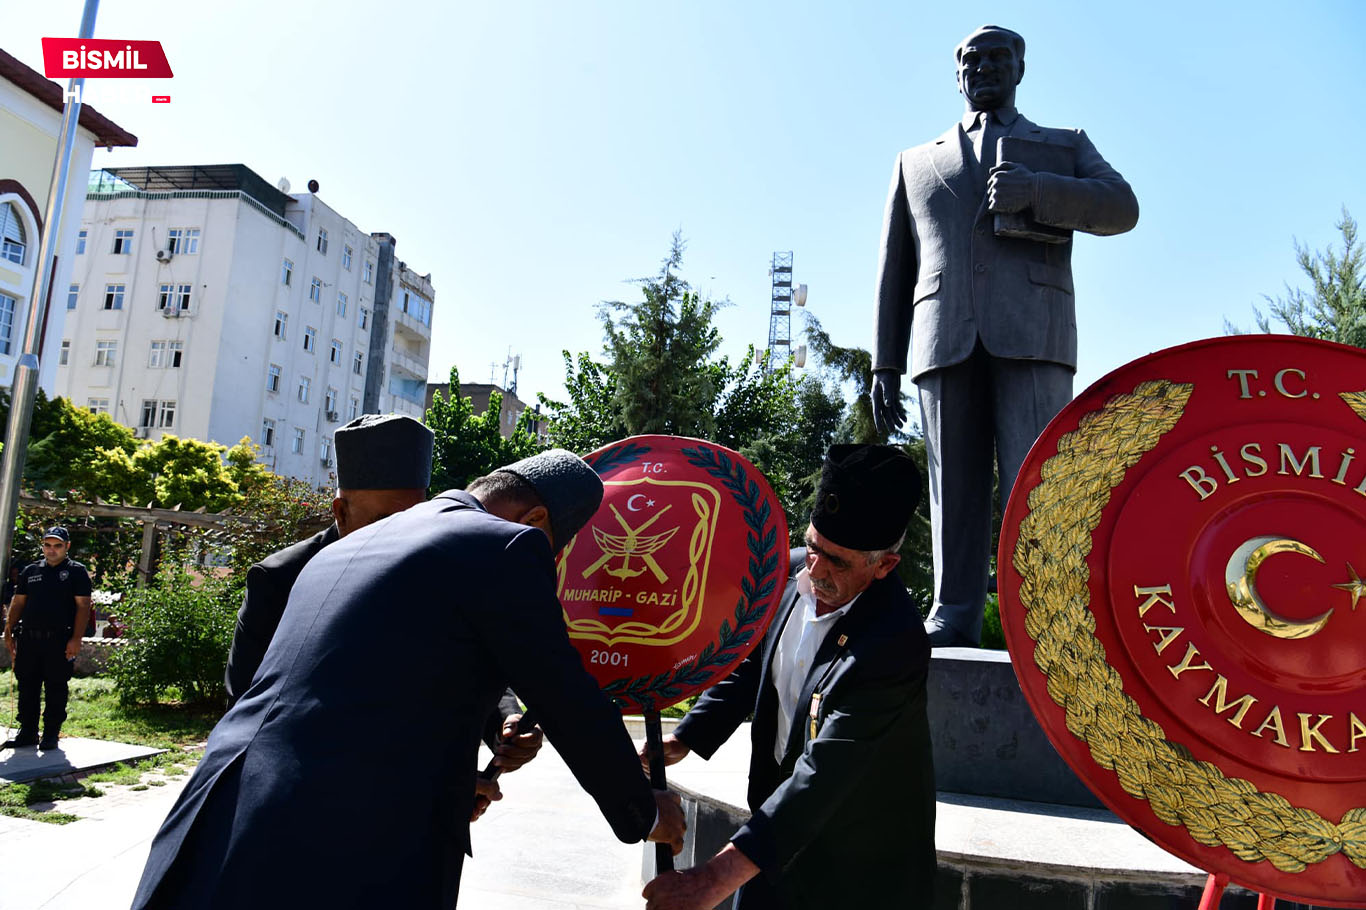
x,y
542,847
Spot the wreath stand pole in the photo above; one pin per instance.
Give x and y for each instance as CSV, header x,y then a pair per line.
x,y
1214,892
654,747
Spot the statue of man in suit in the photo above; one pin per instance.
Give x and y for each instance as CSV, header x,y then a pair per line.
x,y
984,305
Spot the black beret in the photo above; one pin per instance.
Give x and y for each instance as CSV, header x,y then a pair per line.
x,y
384,452
570,490
865,496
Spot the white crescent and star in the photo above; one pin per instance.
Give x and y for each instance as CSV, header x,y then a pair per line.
x,y
631,502
1240,575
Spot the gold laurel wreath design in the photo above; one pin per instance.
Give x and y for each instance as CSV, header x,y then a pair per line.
x,y
1050,555
1356,401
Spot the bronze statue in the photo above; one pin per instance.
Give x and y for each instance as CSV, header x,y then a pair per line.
x,y
976,279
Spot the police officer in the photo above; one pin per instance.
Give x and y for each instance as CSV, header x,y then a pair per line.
x,y
50,610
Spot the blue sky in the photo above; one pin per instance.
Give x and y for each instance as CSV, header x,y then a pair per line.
x,y
535,155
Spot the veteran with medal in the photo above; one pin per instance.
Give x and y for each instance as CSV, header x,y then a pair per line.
x,y
841,779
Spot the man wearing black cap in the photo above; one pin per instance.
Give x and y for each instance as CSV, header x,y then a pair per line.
x,y
841,780
457,597
51,607
384,463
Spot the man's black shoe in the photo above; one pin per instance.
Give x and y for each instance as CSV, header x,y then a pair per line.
x,y
946,636
20,741
49,743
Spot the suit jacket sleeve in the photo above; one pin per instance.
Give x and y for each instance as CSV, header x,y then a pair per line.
x,y
252,636
863,719
493,727
1097,200
722,708
897,270
526,636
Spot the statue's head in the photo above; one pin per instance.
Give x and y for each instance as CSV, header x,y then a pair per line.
x,y
990,65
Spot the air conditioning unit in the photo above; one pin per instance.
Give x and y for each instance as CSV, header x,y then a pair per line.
x,y
333,417
326,462
142,432
164,255
171,312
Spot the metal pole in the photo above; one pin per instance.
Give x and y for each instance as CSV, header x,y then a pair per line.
x,y
25,382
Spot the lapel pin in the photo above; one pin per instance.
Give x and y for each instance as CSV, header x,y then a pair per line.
x,y
842,640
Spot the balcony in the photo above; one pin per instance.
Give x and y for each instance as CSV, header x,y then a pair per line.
x,y
410,390
409,323
407,363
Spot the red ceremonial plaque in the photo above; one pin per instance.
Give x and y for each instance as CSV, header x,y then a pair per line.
x,y
1181,587
675,578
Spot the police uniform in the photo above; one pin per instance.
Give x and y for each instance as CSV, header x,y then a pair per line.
x,y
44,629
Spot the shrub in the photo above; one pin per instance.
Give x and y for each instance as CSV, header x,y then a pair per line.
x,y
178,635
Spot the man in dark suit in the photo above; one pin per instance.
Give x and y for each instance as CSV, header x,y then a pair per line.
x,y
401,634
384,465
841,778
988,314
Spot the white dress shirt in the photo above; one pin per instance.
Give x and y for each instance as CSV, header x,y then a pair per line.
x,y
800,640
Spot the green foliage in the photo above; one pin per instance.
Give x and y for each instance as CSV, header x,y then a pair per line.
x,y
993,636
179,630
1334,308
470,445
588,420
277,511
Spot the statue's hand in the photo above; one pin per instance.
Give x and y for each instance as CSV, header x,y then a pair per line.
x,y
888,411
1010,187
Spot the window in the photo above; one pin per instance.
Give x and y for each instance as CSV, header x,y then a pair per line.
x,y
149,413
346,257
12,239
113,296
330,404
355,409
369,273
80,250
341,304
297,445
167,414
357,364
325,451
364,320
315,290
97,405
7,305
268,433
273,378
305,383
336,356
287,272
281,321
72,293
174,297
165,354
123,242
322,241
310,339
183,240
65,356
106,353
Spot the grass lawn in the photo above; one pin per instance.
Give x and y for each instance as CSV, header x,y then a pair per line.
x,y
94,711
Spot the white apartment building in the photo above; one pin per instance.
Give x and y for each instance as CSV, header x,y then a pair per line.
x,y
207,303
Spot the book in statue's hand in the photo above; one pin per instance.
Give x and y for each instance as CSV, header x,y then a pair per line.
x,y
1038,156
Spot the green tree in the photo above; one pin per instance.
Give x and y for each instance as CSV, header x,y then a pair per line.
x,y
1334,306
660,374
470,445
660,349
854,367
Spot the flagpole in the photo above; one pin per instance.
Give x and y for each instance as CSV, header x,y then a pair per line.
x,y
25,383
